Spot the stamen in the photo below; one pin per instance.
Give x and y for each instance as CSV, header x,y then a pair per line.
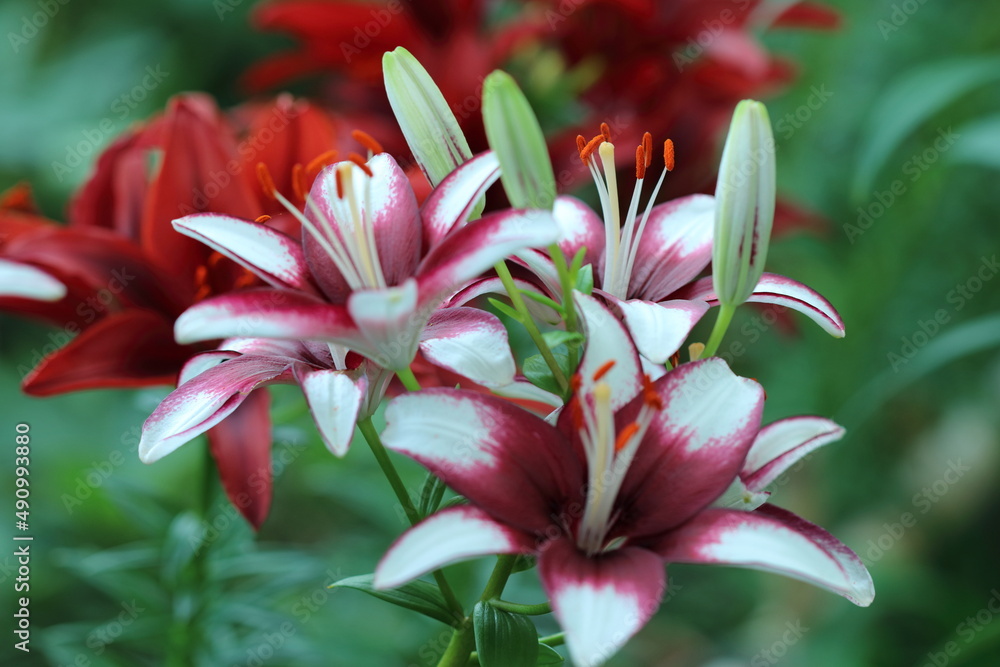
x,y
367,141
591,146
606,131
298,182
649,394
575,383
216,257
360,161
603,370
640,163
262,219
626,435
675,360
668,154
320,161
581,143
695,350
246,279
647,147
266,182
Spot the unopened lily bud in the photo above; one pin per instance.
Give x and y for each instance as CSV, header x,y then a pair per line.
x,y
428,124
516,137
744,204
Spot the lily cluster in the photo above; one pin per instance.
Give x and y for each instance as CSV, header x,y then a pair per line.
x,y
339,277
639,459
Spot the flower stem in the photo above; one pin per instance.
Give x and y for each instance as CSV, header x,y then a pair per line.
x,y
371,436
719,330
408,379
526,609
557,639
517,301
559,259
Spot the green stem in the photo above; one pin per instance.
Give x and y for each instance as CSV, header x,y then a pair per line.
x,y
408,379
719,330
371,436
525,609
559,259
557,639
464,640
517,301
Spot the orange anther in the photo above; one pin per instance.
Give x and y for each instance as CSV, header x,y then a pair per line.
x,y
640,163
647,147
320,161
581,143
360,161
649,394
668,154
626,434
591,146
261,219
675,359
266,182
603,370
340,184
606,131
367,141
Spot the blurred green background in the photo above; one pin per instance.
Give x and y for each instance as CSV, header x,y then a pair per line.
x,y
111,574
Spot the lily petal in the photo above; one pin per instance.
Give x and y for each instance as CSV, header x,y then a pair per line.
x,y
780,291
265,313
334,399
204,401
241,447
607,342
675,247
659,329
780,445
22,280
601,601
271,255
465,437
695,445
579,227
773,540
389,321
470,342
452,535
452,201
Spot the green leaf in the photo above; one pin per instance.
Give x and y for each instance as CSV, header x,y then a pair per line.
x,y
539,374
557,338
980,144
419,596
585,279
427,122
504,639
910,101
548,656
506,310
542,299
524,563
516,137
430,495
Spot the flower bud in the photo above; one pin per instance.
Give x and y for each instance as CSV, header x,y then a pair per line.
x,y
516,138
427,122
744,204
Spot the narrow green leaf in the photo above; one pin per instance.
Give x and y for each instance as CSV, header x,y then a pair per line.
x,y
516,137
419,596
980,144
556,338
430,495
548,656
585,279
504,639
506,310
544,300
427,122
539,374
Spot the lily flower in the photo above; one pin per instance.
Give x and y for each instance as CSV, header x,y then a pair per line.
x,y
620,485
645,261
371,268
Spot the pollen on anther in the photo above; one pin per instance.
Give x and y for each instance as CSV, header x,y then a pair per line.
x,y
640,163
604,370
340,184
591,146
606,131
367,140
649,394
647,147
668,154
581,143
360,161
261,219
625,435
266,182
320,161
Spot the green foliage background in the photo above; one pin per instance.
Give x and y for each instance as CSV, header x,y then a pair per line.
x,y
116,581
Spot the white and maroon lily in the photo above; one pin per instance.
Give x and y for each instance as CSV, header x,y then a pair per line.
x,y
620,485
371,268
644,261
29,282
